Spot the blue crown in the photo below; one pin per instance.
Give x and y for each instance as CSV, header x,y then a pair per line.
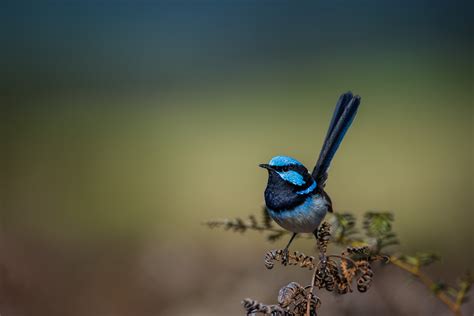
x,y
279,161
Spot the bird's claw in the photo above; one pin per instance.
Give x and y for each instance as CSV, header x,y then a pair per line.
x,y
285,256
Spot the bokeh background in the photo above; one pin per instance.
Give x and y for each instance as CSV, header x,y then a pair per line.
x,y
127,124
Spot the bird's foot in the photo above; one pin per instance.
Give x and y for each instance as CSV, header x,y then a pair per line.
x,y
285,257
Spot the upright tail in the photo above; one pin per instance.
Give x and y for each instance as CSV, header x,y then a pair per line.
x,y
346,109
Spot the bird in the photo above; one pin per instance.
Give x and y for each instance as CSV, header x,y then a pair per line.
x,y
294,198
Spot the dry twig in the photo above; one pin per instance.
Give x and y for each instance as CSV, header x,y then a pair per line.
x,y
337,272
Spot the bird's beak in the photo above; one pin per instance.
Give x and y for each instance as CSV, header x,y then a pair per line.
x,y
265,166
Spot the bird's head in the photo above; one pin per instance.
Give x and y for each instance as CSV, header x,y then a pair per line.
x,y
288,180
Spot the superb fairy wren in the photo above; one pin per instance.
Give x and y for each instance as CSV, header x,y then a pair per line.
x,y
296,199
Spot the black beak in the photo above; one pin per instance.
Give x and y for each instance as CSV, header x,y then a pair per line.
x,y
265,166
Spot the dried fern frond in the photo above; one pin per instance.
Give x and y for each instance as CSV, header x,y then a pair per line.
x,y
275,236
236,224
363,282
295,298
295,258
253,307
337,273
348,271
327,275
333,272
323,235
288,293
338,276
292,301
252,223
363,251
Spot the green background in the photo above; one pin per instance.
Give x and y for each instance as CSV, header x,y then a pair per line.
x,y
125,126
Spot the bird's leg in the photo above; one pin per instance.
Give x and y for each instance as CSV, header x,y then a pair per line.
x,y
286,252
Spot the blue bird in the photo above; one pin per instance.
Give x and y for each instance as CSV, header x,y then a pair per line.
x,y
296,199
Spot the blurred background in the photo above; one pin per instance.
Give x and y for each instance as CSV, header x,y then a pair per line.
x,y
125,125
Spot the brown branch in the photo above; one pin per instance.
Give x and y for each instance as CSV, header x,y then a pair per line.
x,y
461,294
430,284
454,306
310,294
380,231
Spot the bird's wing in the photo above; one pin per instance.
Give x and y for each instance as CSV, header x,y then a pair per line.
x,y
346,109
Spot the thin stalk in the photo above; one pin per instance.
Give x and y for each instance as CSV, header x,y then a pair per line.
x,y
430,284
308,301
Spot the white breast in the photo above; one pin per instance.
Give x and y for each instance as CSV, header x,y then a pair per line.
x,y
304,218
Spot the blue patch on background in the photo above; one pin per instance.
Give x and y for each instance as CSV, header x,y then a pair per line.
x,y
308,190
292,177
279,161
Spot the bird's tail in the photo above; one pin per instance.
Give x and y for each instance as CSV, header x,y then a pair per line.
x,y
346,109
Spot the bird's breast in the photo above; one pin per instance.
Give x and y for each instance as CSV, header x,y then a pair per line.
x,y
304,218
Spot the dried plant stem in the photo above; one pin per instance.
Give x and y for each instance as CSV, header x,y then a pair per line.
x,y
352,264
455,307
461,295
308,302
